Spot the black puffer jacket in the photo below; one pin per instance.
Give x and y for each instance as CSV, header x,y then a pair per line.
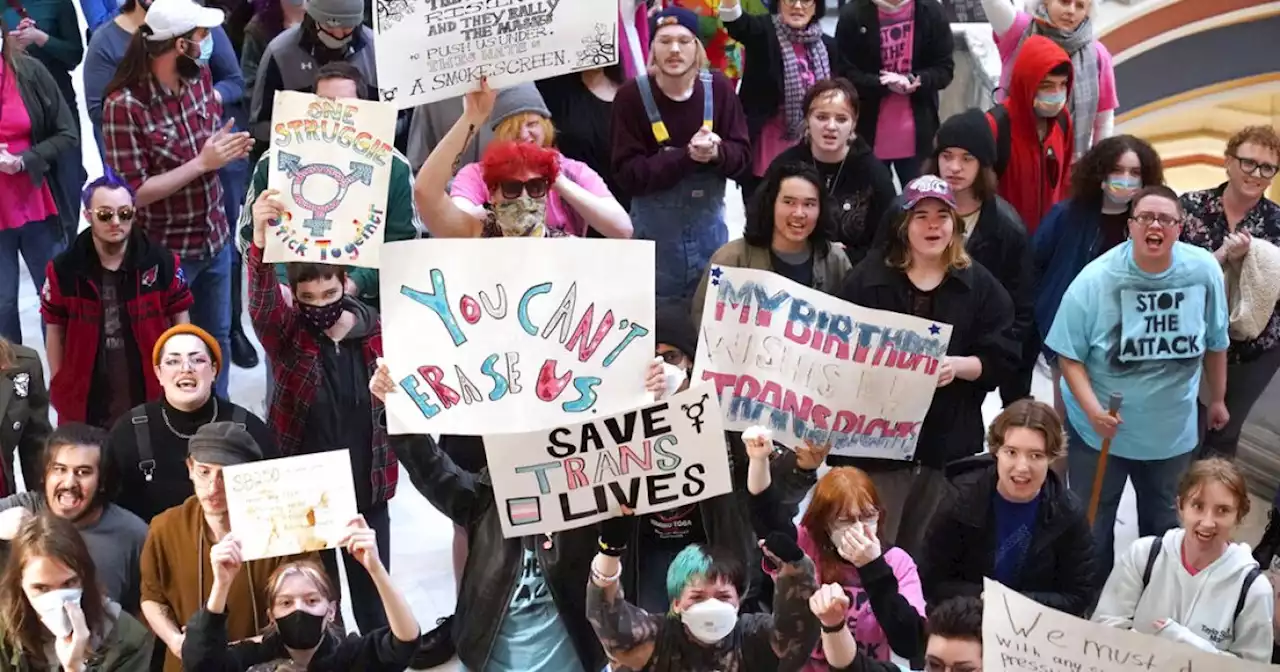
x,y
1060,570
494,563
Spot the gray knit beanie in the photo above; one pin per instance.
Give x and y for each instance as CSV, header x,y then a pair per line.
x,y
336,13
516,100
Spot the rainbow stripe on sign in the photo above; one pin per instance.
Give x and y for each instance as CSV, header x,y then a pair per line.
x,y
524,510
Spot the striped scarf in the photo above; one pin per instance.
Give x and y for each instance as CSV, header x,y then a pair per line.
x,y
793,87
1084,65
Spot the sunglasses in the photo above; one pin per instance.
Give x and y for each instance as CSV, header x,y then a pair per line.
x,y
123,213
536,188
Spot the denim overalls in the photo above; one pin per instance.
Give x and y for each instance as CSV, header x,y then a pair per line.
x,y
686,222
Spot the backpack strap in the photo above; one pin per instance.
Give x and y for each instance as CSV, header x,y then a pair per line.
x,y
1152,555
1244,592
238,415
142,437
1003,137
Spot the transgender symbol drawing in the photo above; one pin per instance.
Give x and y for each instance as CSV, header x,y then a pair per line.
x,y
319,223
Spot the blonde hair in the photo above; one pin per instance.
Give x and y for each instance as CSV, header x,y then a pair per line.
x,y
899,254
508,130
306,568
700,59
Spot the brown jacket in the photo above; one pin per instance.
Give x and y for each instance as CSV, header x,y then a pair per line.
x,y
176,573
828,270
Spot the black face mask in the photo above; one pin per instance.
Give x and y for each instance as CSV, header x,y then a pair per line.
x,y
188,68
300,630
321,317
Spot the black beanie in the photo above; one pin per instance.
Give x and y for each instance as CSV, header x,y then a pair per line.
x,y
673,326
971,132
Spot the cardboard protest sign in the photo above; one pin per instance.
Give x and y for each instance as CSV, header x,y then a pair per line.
x,y
809,365
651,458
1022,635
429,50
331,163
514,334
292,504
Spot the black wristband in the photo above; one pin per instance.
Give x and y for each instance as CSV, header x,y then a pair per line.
x,y
611,551
832,629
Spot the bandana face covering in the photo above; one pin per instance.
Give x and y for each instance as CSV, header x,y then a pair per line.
x,y
524,217
321,317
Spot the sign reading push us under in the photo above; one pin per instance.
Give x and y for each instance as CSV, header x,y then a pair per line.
x,y
810,366
429,50
514,334
331,163
651,458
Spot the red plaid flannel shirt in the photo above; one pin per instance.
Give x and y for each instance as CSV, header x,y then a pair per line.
x,y
149,131
294,355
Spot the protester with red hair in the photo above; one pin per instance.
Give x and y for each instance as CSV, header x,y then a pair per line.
x,y
522,185
839,532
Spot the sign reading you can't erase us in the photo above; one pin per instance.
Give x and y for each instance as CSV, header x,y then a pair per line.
x,y
652,458
1022,635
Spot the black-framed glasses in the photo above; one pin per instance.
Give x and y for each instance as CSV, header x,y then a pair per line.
x,y
535,188
1147,218
123,213
1256,167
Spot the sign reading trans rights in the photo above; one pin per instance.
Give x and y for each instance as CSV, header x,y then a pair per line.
x,y
655,457
331,163
811,366
429,50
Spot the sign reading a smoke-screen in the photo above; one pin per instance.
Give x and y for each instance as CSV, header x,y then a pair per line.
x,y
430,50
651,458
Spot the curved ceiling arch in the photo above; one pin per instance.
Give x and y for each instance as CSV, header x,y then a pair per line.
x,y
1159,22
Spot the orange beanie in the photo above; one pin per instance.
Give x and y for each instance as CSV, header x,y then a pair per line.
x,y
192,329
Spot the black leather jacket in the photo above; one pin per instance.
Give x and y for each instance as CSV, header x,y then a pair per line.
x,y
493,563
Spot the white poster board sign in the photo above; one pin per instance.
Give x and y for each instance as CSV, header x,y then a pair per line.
x,y
652,458
499,335
1021,635
429,50
809,365
331,163
290,505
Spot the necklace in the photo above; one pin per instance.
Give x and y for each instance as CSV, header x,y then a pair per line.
x,y
165,414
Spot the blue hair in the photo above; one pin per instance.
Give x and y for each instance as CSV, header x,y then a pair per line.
x,y
704,563
107,181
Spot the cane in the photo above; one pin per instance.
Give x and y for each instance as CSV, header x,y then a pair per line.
x,y
1113,408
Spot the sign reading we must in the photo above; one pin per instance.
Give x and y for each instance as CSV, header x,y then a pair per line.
x,y
811,366
652,458
514,334
331,163
429,50
1022,635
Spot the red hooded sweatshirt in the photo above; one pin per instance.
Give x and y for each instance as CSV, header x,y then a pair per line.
x,y
1037,173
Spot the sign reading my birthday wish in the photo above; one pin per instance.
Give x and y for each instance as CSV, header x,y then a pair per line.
x,y
652,458
514,334
429,50
331,163
811,366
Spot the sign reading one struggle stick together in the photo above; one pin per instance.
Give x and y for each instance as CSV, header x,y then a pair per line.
x,y
652,458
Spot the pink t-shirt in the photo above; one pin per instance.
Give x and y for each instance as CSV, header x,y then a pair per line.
x,y
469,184
896,126
22,202
773,135
1007,45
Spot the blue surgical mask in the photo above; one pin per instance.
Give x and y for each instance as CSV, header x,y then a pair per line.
x,y
1048,105
206,50
1121,188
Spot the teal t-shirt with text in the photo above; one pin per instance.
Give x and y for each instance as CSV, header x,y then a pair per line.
x,y
533,637
1145,336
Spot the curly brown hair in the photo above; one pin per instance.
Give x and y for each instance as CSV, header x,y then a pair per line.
x,y
1093,168
1264,136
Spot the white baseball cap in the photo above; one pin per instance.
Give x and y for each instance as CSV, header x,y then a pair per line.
x,y
170,18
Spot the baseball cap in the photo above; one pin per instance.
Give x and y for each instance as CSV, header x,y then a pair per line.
x,y
168,19
927,186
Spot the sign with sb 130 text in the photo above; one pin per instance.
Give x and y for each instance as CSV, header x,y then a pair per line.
x,y
1022,635
515,334
290,505
429,50
652,458
331,163
811,366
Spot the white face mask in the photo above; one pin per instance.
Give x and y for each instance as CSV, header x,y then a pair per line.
x,y
52,610
710,620
674,377
837,530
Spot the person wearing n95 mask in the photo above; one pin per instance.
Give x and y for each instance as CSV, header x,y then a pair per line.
x,y
700,628
51,612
